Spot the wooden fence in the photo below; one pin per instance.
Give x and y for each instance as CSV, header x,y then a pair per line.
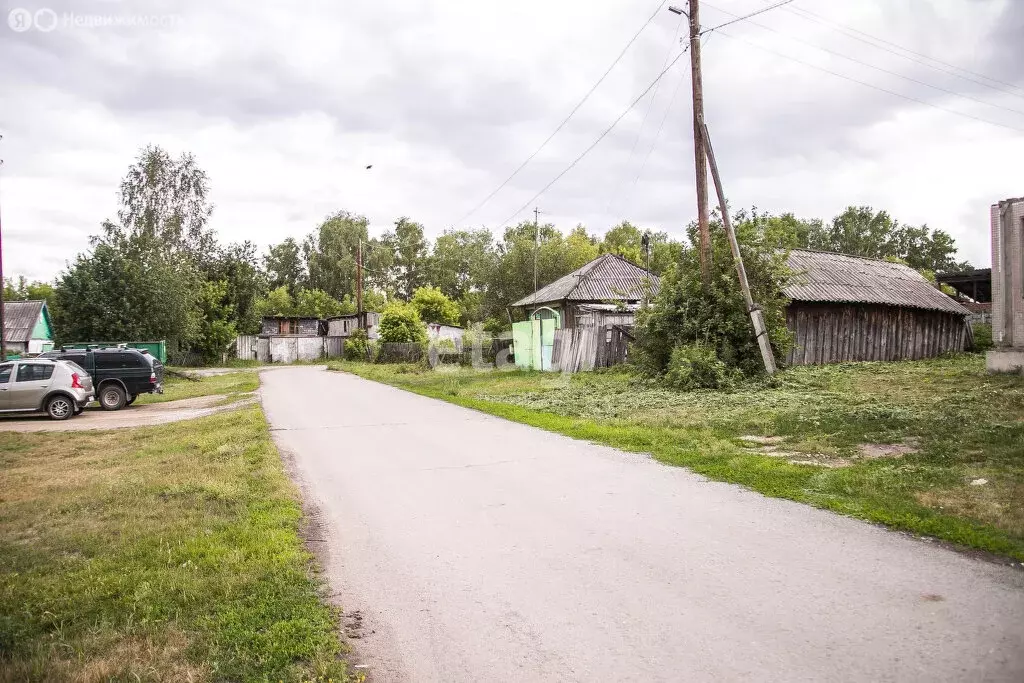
x,y
584,348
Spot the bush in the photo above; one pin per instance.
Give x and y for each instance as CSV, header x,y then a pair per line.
x,y
359,347
982,337
697,366
685,313
434,307
400,323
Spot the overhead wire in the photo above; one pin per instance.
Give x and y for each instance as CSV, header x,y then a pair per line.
x,y
567,118
873,41
871,85
745,17
872,66
650,105
595,143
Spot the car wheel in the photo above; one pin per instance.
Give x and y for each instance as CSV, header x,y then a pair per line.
x,y
60,408
131,399
112,397
79,410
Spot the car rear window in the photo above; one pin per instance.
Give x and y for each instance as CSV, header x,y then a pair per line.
x,y
33,372
75,367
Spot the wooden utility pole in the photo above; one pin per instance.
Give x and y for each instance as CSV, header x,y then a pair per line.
x,y
699,153
359,286
756,316
536,244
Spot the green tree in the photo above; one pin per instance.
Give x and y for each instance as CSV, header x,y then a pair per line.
x,y
434,307
114,294
411,251
164,201
685,318
316,303
330,253
285,265
238,267
216,324
277,302
23,290
462,262
399,322
625,239
862,231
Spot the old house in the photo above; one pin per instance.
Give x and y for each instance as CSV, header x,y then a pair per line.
x,y
285,339
609,283
27,327
847,308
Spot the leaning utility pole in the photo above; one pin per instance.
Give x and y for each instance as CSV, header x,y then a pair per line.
x,y
3,343
699,153
756,316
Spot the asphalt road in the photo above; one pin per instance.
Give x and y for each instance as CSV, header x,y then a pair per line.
x,y
467,548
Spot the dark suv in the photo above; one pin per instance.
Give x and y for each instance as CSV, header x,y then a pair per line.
x,y
119,375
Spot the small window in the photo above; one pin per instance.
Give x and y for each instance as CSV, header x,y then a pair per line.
x,y
34,372
5,373
290,326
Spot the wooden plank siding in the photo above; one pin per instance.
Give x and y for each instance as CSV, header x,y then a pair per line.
x,y
838,333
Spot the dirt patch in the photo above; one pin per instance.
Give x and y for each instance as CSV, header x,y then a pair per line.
x,y
130,416
762,440
873,451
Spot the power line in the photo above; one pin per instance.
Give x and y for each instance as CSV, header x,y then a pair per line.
x,y
654,142
849,31
595,143
567,118
650,105
870,85
872,66
739,18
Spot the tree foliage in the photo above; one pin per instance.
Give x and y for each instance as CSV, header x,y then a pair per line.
x,y
400,323
434,307
685,313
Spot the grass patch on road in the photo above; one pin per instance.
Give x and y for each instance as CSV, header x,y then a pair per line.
x,y
177,388
157,553
959,424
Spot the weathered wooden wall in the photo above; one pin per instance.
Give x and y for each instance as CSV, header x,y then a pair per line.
x,y
579,349
837,333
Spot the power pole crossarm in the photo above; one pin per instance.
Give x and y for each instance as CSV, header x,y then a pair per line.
x,y
756,317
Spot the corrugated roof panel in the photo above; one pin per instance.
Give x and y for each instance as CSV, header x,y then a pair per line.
x,y
608,277
824,276
20,319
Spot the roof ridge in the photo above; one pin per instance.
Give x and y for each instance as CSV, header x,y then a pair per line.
x,y
853,256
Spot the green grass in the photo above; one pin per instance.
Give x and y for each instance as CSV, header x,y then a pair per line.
x,y
158,553
964,423
176,388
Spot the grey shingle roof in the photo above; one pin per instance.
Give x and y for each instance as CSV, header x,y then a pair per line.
x,y
824,276
609,277
20,318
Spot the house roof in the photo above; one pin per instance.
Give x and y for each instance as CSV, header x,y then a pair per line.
x,y
828,277
609,277
20,319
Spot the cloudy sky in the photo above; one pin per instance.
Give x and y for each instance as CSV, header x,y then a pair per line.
x,y
285,105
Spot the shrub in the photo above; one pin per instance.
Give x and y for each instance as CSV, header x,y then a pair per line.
x,y
359,347
400,323
697,366
434,307
686,313
982,337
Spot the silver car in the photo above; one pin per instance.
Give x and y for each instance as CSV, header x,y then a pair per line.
x,y
59,388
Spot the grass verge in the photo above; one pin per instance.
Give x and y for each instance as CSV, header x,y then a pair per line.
x,y
158,553
176,388
965,427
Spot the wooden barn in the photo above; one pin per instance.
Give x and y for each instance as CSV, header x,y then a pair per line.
x,y
846,308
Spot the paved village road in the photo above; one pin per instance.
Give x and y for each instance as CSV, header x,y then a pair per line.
x,y
467,548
